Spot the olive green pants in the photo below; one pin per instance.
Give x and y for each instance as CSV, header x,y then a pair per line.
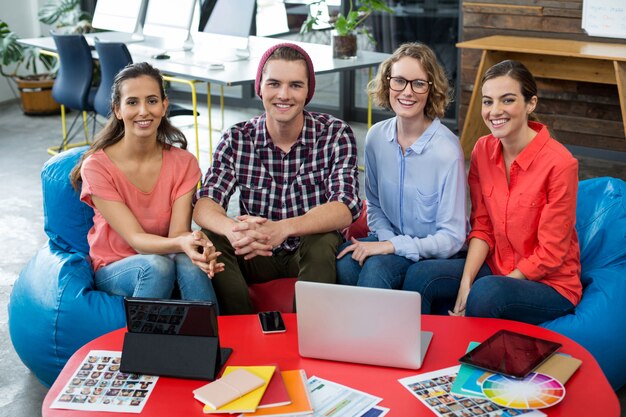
x,y
314,260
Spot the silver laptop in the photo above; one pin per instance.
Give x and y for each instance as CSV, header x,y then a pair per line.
x,y
361,325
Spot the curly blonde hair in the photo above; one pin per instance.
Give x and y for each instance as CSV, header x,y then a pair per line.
x,y
440,93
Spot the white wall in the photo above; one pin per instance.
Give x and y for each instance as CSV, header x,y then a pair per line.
x,y
21,16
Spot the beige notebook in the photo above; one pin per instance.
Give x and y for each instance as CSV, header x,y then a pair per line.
x,y
228,388
560,367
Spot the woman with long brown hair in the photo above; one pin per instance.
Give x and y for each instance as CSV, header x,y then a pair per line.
x,y
139,179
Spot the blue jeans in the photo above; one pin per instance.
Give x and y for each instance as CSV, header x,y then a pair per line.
x,y
154,276
495,296
378,271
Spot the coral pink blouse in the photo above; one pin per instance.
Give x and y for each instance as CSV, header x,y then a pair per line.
x,y
179,174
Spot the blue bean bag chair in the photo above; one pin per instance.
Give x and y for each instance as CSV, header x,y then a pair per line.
x,y
54,308
599,321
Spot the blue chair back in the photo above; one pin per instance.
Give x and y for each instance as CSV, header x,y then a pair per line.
x,y
67,220
113,57
601,223
73,82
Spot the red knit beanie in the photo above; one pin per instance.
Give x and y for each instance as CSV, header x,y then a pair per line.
x,y
307,58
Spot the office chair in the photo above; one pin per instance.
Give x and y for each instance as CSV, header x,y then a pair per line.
x,y
72,86
113,57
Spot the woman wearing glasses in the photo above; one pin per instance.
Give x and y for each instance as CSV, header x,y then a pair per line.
x,y
414,175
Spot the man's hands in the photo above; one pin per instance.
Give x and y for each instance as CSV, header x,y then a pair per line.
x,y
256,236
362,250
202,252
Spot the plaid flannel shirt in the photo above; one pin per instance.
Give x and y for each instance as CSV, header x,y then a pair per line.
x,y
321,167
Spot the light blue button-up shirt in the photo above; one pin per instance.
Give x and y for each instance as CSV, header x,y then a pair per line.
x,y
416,200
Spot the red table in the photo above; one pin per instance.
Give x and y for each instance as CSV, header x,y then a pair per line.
x,y
588,391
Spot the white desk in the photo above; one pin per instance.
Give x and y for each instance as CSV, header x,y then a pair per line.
x,y
193,65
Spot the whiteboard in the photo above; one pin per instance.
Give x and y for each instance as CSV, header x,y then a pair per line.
x,y
606,18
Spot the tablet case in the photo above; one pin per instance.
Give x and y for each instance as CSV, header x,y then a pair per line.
x,y
179,356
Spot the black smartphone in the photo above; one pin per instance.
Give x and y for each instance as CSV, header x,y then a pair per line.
x,y
271,322
509,353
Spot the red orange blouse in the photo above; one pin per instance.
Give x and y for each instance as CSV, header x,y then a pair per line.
x,y
529,222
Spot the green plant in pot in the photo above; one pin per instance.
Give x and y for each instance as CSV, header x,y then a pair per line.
x,y
31,71
345,27
65,16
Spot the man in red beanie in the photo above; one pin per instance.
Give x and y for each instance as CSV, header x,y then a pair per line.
x,y
297,174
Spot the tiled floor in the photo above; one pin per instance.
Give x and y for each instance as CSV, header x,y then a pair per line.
x,y
23,143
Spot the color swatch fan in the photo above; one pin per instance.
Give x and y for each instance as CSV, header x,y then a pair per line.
x,y
533,392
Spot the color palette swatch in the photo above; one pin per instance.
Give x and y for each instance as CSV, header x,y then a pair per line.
x,y
533,392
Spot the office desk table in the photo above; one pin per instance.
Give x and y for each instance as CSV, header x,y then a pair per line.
x,y
588,391
195,64
560,59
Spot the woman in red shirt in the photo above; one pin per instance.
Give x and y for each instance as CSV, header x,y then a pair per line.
x,y
523,260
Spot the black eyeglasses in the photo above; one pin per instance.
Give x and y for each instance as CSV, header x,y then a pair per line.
x,y
418,86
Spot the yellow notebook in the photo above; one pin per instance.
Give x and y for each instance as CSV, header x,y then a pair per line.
x,y
249,402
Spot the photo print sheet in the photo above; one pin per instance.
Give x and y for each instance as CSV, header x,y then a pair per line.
x,y
433,390
99,385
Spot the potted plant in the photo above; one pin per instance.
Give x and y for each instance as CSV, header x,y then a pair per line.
x,y
345,28
65,16
31,71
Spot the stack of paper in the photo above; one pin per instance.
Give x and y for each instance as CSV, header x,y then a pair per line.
x,y
323,397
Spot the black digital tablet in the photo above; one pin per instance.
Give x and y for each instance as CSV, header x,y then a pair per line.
x,y
177,338
509,353
176,317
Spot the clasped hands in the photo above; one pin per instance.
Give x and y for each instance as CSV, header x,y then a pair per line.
x,y
256,236
202,253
